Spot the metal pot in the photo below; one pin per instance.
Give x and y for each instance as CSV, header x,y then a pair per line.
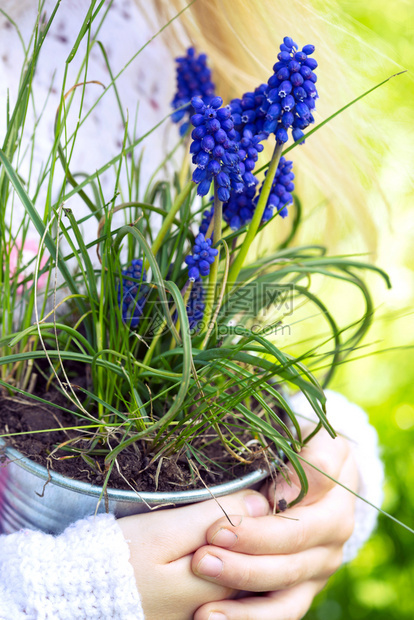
x,y
31,497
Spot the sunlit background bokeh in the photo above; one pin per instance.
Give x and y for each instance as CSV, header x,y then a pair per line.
x,y
379,584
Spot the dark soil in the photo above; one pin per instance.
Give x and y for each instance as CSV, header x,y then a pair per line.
x,y
20,414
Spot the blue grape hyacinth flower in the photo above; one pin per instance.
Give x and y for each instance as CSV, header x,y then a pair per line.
x,y
196,305
132,294
249,112
214,149
249,149
291,92
193,80
201,259
239,210
280,196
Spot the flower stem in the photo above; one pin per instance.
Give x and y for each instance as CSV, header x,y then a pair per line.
x,y
209,229
257,218
218,217
169,218
185,167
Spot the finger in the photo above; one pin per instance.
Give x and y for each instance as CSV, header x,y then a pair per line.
x,y
263,573
329,521
324,454
284,605
171,534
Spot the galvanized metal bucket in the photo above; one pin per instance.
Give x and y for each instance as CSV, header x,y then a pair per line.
x,y
31,497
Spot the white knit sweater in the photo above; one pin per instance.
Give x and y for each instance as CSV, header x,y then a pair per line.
x,y
84,573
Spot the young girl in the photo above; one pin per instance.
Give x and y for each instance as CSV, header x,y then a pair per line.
x,y
188,562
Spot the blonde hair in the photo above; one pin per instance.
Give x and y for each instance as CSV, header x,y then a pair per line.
x,y
242,38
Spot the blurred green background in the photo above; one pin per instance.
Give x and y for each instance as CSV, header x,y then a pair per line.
x,y
380,582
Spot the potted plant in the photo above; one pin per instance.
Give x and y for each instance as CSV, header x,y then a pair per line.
x,y
152,374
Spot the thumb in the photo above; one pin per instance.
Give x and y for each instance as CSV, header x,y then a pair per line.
x,y
323,460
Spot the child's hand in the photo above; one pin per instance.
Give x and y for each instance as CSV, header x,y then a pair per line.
x,y
162,545
290,556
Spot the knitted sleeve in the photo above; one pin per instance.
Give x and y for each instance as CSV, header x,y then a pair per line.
x,y
83,574
350,420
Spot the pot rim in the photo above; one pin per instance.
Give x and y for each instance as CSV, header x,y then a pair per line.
x,y
132,496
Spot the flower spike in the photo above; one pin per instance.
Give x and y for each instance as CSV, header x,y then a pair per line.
x,y
280,194
214,149
196,305
201,259
132,295
193,80
291,92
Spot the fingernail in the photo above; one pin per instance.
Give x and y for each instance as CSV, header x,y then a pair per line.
x,y
235,520
210,566
224,538
257,505
216,615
